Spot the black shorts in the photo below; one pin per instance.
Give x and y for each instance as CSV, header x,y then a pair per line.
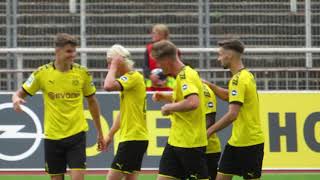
x,y
69,151
242,161
212,163
183,163
129,156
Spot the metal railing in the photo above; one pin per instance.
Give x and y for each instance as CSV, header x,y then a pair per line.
x,y
268,78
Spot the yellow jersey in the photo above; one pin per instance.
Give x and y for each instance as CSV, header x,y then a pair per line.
x,y
132,107
63,98
211,107
188,129
246,130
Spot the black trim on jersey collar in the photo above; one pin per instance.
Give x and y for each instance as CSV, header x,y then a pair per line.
x,y
54,67
241,69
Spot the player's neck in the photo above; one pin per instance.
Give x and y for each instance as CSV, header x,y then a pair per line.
x,y
62,66
236,67
177,67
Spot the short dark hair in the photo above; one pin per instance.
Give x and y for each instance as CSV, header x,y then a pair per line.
x,y
164,49
63,39
232,44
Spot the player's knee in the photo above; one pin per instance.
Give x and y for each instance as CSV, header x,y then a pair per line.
x,y
57,177
132,176
115,175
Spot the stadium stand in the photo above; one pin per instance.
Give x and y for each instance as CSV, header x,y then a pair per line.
x,y
259,23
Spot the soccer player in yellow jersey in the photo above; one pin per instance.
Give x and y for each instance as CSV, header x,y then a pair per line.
x,y
243,154
131,121
213,151
184,155
64,84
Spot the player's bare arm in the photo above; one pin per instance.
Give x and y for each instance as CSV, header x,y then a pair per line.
x,y
110,82
222,93
188,104
226,120
115,127
162,97
18,99
95,113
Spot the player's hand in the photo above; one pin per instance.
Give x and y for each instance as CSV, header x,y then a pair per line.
x,y
107,141
101,143
157,96
17,101
165,110
116,61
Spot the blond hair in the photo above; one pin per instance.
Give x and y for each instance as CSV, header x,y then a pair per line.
x,y
119,50
162,28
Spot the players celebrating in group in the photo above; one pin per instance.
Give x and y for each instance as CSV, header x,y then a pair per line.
x,y
243,154
193,148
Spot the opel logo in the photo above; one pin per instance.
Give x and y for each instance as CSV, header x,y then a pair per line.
x,y
12,132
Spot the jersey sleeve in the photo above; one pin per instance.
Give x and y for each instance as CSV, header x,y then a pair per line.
x,y
210,99
188,87
128,81
32,84
88,86
237,90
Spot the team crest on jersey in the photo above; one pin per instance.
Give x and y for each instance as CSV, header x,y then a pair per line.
x,y
234,92
210,104
30,80
124,78
184,87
